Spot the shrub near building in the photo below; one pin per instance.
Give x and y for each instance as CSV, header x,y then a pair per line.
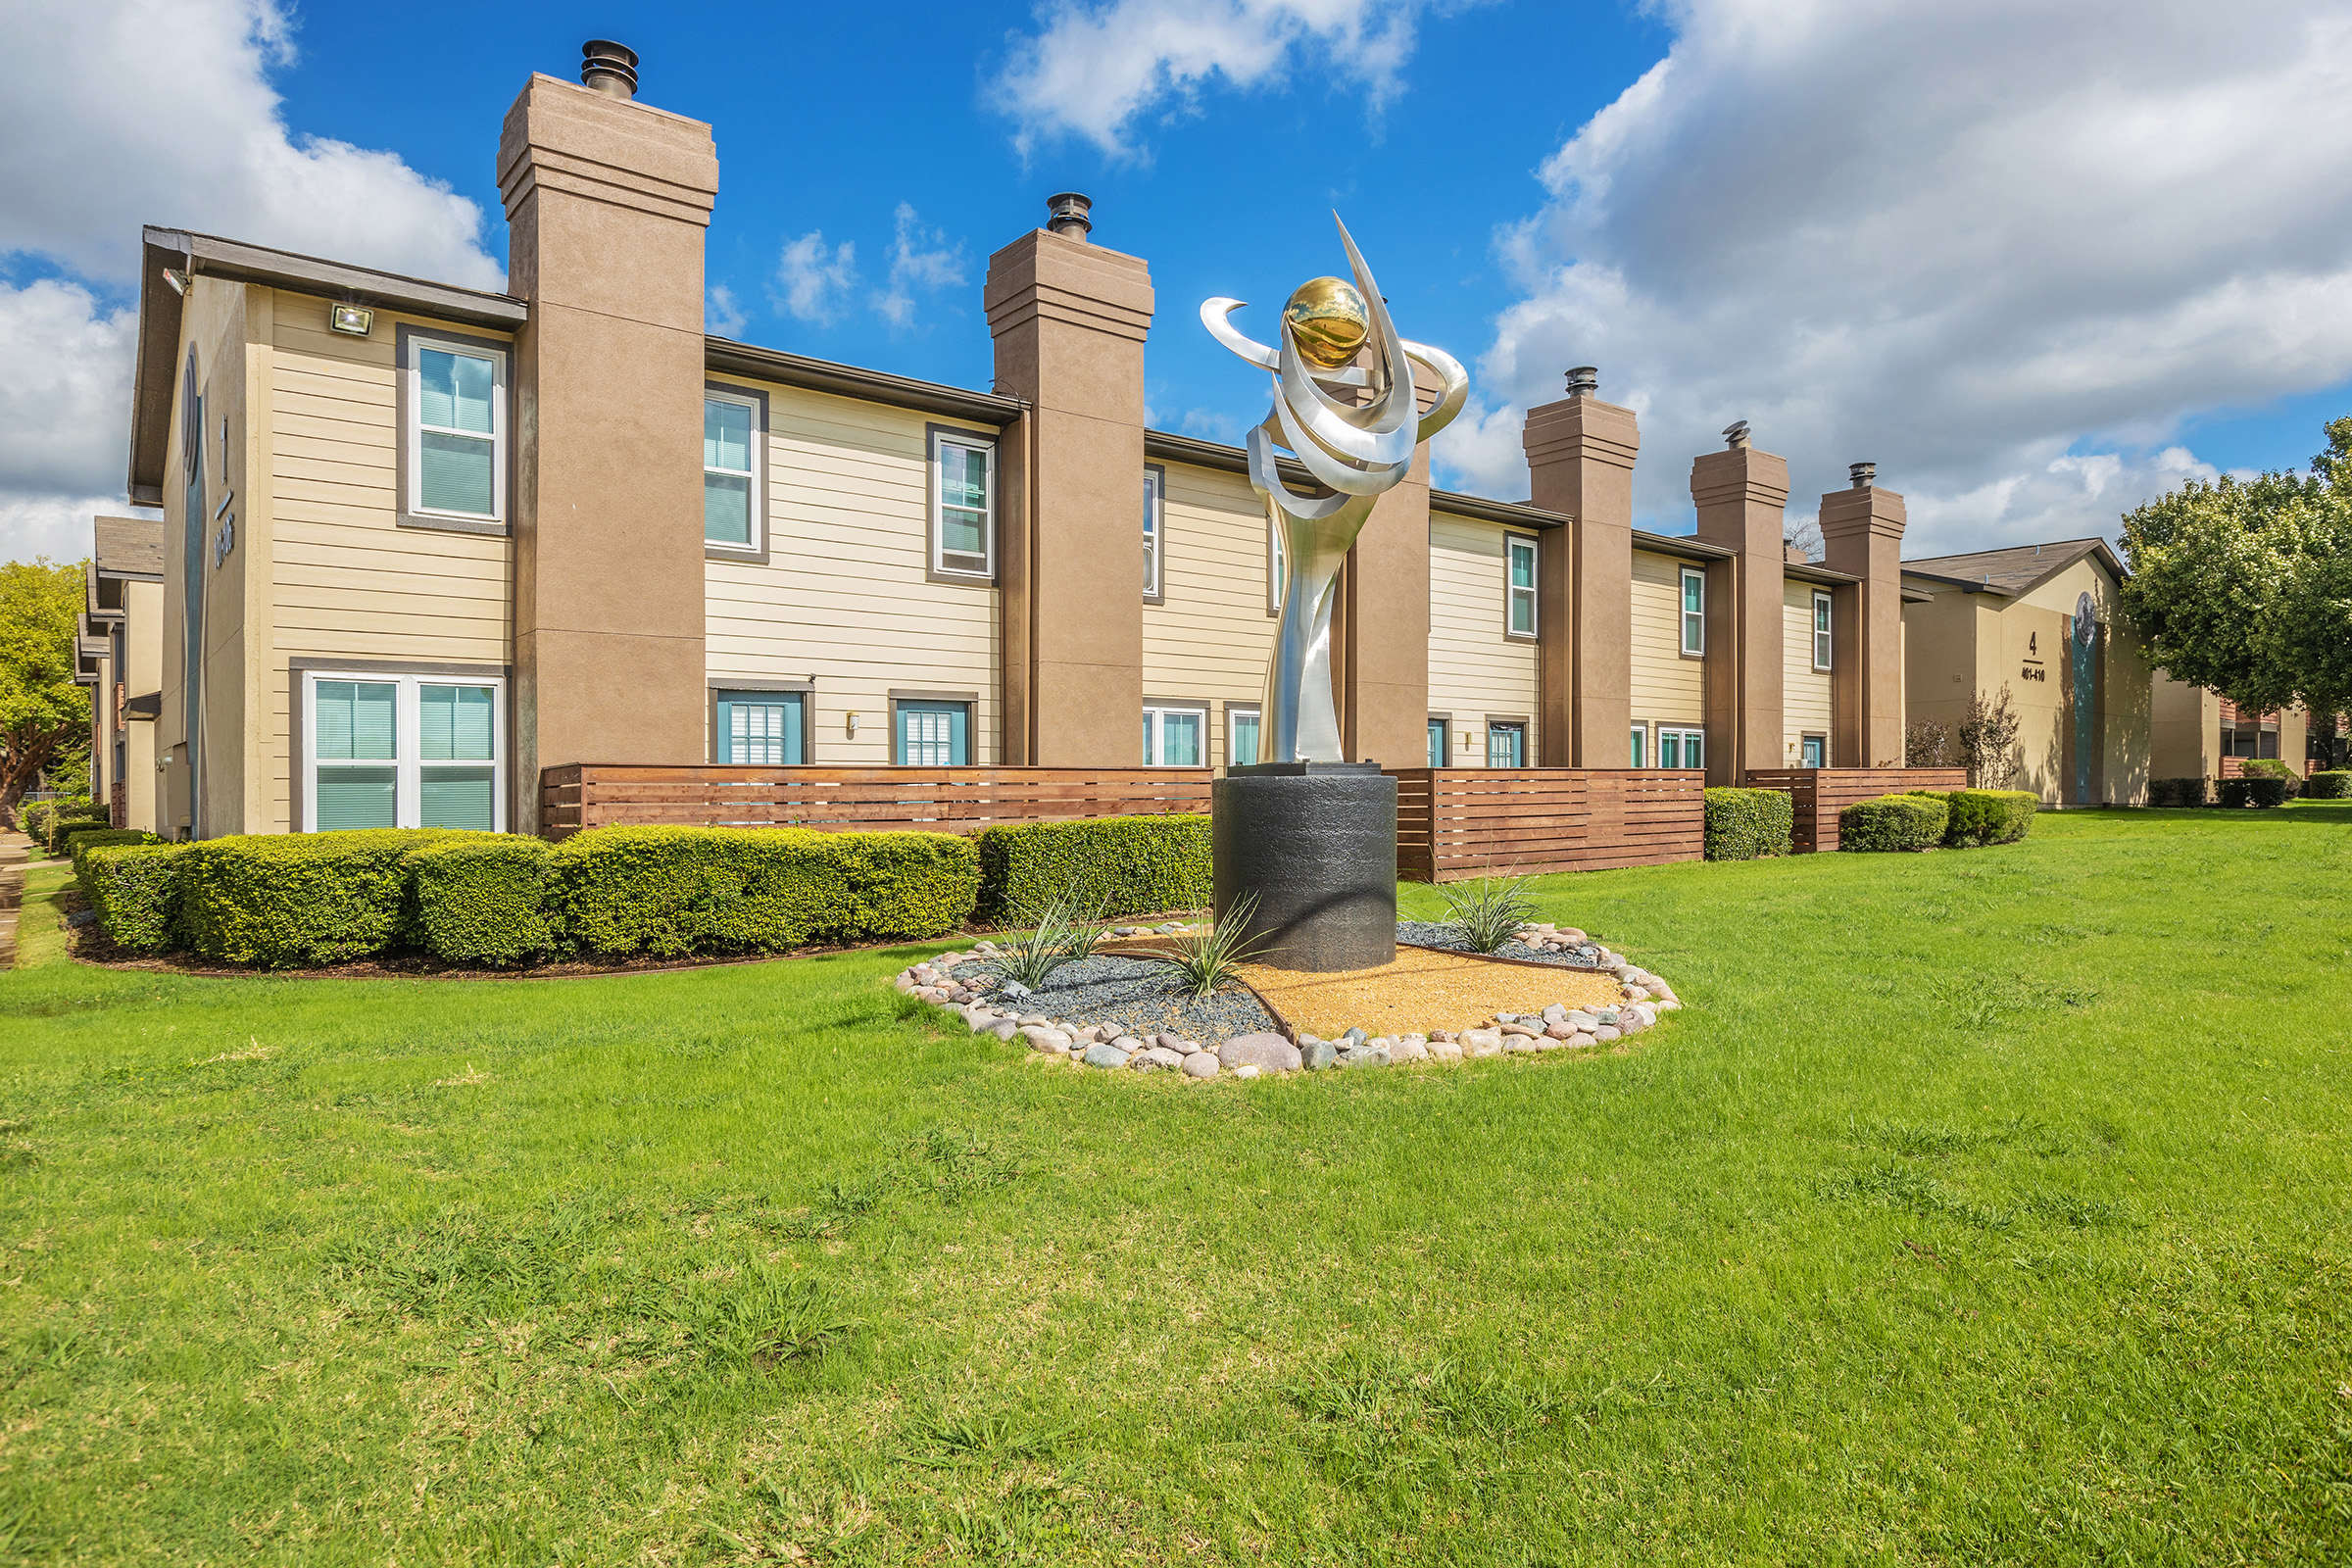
x,y
1107,865
1748,824
1895,822
2331,785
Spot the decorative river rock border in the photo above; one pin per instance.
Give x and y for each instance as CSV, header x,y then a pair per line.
x,y
980,999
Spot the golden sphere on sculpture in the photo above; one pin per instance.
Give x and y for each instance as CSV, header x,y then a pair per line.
x,y
1328,317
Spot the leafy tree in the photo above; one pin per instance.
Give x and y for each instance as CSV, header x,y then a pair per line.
x,y
1989,741
41,709
1926,744
2244,587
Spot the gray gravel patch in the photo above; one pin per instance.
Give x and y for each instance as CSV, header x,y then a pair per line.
x,y
1138,998
1436,934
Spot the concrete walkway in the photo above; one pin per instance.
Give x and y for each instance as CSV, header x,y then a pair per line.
x,y
15,850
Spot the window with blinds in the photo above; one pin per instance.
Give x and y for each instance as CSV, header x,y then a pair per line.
x,y
962,506
458,430
762,729
403,751
935,734
1520,609
730,472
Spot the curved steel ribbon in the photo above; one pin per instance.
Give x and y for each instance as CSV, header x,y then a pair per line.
x,y
1358,450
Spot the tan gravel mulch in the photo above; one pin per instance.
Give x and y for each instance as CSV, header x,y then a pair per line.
x,y
1425,990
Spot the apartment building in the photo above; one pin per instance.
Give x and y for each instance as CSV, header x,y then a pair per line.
x,y
421,542
119,656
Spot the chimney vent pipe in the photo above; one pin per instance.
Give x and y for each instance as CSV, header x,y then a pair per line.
x,y
609,67
1071,214
1584,380
1865,475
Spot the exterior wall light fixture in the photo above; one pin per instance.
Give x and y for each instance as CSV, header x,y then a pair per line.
x,y
852,727
351,320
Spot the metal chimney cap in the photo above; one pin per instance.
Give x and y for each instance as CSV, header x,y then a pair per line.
x,y
609,67
1071,214
1584,380
1734,434
1865,475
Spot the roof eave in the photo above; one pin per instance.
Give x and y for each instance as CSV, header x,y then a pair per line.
x,y
756,364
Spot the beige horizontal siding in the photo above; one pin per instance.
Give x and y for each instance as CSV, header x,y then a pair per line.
x,y
1474,669
347,581
843,596
1211,639
1804,690
1666,687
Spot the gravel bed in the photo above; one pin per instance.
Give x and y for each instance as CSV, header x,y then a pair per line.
x,y
1433,934
1138,998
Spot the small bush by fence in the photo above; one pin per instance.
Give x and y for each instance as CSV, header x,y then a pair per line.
x,y
1112,864
1748,824
1893,822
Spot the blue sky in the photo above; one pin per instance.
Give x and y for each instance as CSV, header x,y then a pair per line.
x,y
2036,264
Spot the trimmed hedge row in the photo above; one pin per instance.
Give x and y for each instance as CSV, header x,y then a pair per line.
x,y
2176,791
137,890
1749,824
287,901
46,822
1895,822
2256,789
2331,784
1112,866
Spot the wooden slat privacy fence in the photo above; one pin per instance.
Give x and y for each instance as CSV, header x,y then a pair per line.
x,y
939,800
1819,794
1456,822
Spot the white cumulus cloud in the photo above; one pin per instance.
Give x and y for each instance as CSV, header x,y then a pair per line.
x,y
121,113
813,281
919,258
2004,250
1098,71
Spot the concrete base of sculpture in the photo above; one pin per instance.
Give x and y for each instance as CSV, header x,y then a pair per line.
x,y
1315,844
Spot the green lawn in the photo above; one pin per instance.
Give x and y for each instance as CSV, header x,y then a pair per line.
x,y
1980,1208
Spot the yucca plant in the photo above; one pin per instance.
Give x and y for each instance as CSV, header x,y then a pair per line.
x,y
1489,911
1205,958
1058,937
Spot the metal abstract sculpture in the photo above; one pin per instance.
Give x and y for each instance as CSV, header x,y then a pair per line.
x,y
1344,405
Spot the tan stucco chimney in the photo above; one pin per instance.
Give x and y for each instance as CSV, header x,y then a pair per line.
x,y
1862,535
1069,318
606,203
1742,495
1579,458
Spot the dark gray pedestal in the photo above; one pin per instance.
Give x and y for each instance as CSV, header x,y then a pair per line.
x,y
1315,843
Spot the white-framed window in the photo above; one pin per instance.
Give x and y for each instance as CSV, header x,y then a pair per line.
x,y
1156,527
403,751
1519,609
1679,747
1637,750
964,505
457,435
731,490
1821,629
1274,567
1695,612
1175,737
1240,737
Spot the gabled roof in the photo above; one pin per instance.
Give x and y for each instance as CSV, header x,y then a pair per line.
x,y
2017,570
129,547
